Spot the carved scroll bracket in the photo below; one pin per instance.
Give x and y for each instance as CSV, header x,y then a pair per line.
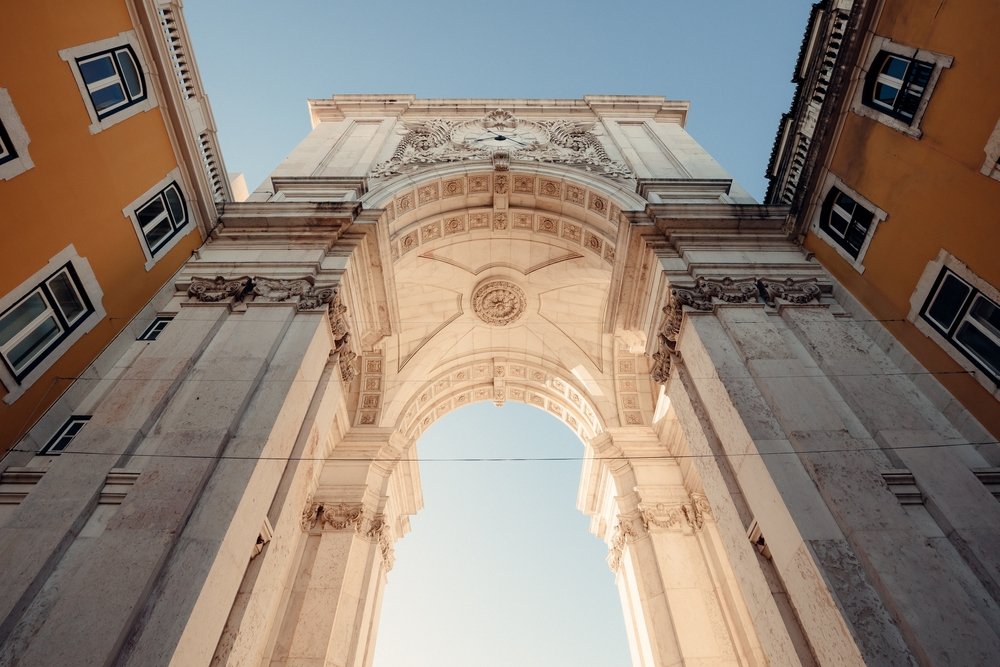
x,y
625,534
706,294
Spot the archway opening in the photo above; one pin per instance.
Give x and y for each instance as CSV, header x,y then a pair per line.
x,y
500,568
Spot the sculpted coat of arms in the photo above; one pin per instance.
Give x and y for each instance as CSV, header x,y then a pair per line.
x,y
553,141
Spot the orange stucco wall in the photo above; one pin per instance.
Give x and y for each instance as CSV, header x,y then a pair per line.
x,y
79,185
931,188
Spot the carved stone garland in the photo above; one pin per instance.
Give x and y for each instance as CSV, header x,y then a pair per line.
x,y
701,295
687,516
304,291
558,142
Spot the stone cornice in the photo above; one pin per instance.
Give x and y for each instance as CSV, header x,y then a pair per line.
x,y
592,107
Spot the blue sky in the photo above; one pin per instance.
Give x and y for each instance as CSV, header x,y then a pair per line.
x,y
731,58
499,568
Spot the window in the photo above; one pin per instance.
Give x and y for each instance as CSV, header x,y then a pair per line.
x,y
14,140
896,84
113,80
967,319
43,317
58,442
109,74
161,217
154,329
845,221
40,320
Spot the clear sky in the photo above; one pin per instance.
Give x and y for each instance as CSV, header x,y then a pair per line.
x,y
499,568
732,59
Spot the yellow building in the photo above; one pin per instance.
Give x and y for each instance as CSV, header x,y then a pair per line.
x,y
109,175
889,161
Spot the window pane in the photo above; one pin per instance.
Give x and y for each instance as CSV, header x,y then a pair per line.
x,y
66,297
157,234
20,316
107,97
986,313
980,345
885,94
149,212
948,301
895,67
98,69
25,351
129,73
173,197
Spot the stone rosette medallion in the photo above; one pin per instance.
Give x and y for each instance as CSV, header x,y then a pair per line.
x,y
498,302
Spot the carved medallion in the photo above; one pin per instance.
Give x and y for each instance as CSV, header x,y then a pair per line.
x,y
498,302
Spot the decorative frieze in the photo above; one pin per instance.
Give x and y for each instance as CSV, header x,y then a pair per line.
x,y
351,517
500,136
213,290
332,516
707,293
302,291
678,516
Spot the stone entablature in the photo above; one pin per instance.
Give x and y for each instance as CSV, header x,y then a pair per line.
x,y
705,295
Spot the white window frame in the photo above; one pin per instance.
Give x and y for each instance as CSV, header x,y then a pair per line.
x,y
155,328
152,257
878,215
922,294
71,55
939,61
991,165
18,138
88,281
64,434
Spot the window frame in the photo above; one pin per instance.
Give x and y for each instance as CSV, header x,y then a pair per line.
x,y
15,137
155,328
80,55
991,165
20,379
65,434
178,232
924,295
823,210
862,104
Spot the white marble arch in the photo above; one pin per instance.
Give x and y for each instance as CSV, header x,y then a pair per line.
x,y
553,232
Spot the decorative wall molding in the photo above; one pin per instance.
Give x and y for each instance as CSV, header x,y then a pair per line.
x,y
707,293
303,291
676,516
333,516
351,517
552,141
